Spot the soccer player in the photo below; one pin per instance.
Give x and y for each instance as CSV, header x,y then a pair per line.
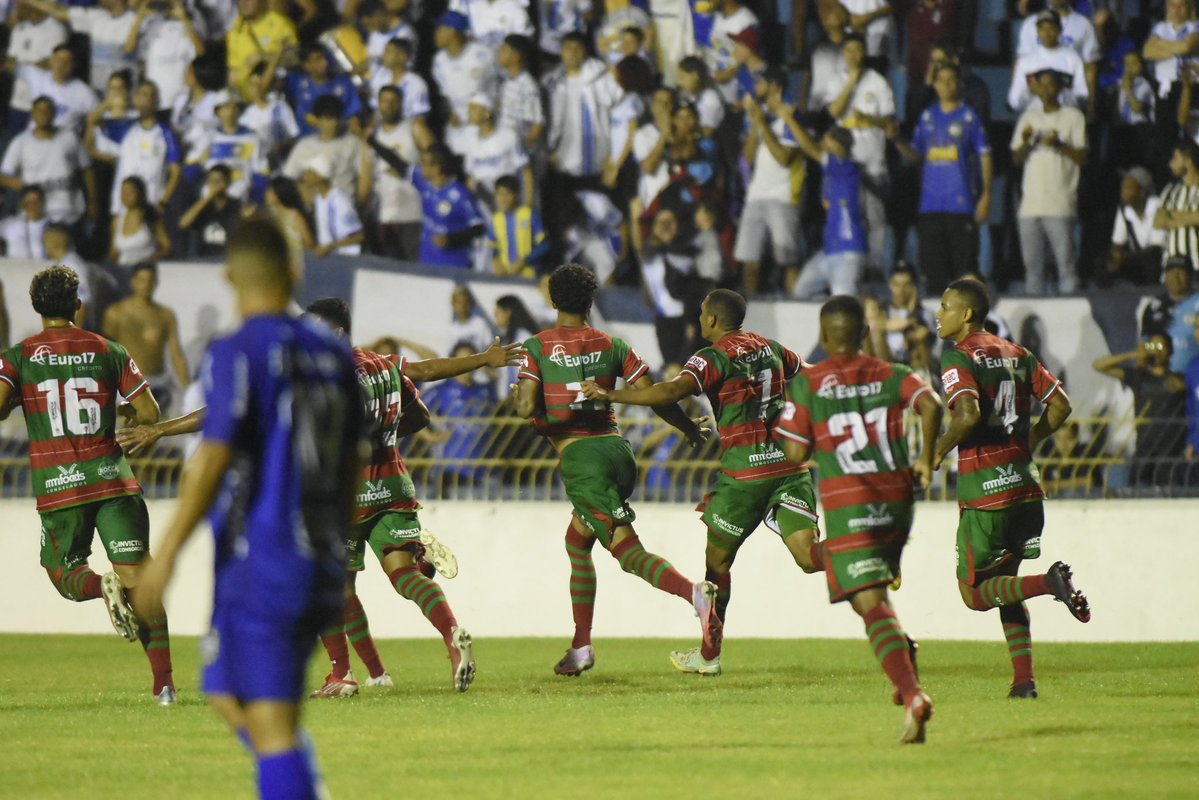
x,y
277,466
598,466
67,381
989,384
743,375
848,410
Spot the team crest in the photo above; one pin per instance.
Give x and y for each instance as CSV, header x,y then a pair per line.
x,y
955,130
558,355
41,355
444,208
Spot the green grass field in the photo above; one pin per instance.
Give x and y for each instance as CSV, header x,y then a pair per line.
x,y
788,719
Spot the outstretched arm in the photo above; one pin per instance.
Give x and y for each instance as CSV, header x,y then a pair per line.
x,y
672,413
657,394
434,369
963,418
137,439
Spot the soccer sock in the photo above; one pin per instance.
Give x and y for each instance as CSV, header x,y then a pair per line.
x,y
1006,591
156,640
582,585
653,569
1017,631
81,584
358,629
413,586
286,776
334,640
890,645
724,591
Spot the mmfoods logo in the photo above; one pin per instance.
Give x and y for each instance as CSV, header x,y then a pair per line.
x,y
375,492
564,359
1007,477
877,516
44,356
68,477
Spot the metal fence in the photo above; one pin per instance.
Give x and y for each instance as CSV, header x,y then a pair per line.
x,y
501,458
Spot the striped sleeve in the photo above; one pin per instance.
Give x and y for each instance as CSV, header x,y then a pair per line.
x,y
530,369
911,386
795,423
132,382
702,369
632,367
8,367
1044,383
957,376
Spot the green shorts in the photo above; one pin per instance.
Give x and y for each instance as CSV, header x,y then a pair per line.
x,y
386,531
122,522
986,539
735,508
600,474
864,546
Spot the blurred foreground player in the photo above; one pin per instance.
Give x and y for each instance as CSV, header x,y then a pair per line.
x,y
848,410
279,459
989,385
598,467
67,381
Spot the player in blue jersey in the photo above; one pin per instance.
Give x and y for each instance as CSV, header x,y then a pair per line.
x,y
278,467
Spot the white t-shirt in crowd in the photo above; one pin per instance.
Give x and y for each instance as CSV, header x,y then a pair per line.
x,y
376,42
488,159
624,116
1077,33
772,180
73,100
871,96
399,201
1166,70
1050,186
827,62
275,123
615,22
108,35
710,105
23,237
877,32
492,20
459,79
336,219
53,164
1063,60
414,92
143,153
719,54
675,33
651,183
33,42
166,51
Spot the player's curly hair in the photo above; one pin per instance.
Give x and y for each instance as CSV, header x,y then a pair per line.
x,y
332,310
54,292
572,288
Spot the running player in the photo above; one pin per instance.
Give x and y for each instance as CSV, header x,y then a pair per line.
x,y
989,384
598,466
67,381
743,375
848,410
277,466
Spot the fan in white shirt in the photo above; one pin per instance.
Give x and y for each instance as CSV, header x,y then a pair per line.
x,y
166,43
461,69
1051,53
149,150
52,159
493,152
268,116
382,26
697,88
872,19
73,99
397,55
732,19
338,226
1078,32
492,20
22,233
581,94
107,27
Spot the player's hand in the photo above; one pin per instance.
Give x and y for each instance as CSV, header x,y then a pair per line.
x,y
923,470
1050,139
151,586
135,440
593,391
700,434
504,355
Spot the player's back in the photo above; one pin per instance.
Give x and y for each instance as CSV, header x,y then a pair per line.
x,y
995,460
282,394
560,359
744,376
69,382
385,480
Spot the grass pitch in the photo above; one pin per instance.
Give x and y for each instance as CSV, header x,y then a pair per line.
x,y
808,718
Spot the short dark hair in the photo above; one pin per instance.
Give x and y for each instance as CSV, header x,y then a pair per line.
x,y
523,46
905,268
1189,150
572,289
845,305
333,310
43,98
775,75
55,292
261,237
694,64
391,88
32,188
636,31
224,171
575,36
508,182
145,266
402,42
728,306
975,295
853,36
59,228
328,105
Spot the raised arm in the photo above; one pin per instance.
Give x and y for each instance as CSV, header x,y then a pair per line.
x,y
434,369
653,395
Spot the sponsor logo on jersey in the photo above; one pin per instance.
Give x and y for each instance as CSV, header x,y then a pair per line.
x,y
1003,362
789,411
835,391
108,471
620,513
877,516
726,526
1007,477
864,567
951,378
827,384
44,356
697,363
68,477
125,546
564,359
769,457
375,492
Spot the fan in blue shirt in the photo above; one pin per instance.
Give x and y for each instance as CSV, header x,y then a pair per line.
x,y
452,220
315,80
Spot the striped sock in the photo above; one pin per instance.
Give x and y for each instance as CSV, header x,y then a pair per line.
x,y
156,640
358,629
80,585
891,648
724,591
414,586
653,569
1006,591
334,641
1017,630
582,585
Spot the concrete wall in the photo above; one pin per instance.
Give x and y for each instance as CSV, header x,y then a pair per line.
x,y
1133,558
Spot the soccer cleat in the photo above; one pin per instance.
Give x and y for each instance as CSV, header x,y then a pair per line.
x,y
1063,590
913,647
167,697
383,680
122,616
576,661
462,659
693,661
1023,691
338,687
703,598
441,557
919,712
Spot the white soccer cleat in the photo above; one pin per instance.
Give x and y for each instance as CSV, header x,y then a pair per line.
x,y
122,616
692,661
383,680
462,659
919,711
576,661
703,599
439,555
337,687
167,697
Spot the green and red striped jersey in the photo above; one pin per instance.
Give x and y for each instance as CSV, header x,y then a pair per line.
x,y
744,376
386,484
560,359
995,467
849,410
69,383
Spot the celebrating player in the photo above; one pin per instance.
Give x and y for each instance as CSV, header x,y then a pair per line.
x,y
848,409
598,466
279,460
989,384
67,381
743,375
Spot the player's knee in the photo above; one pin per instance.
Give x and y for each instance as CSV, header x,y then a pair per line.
x,y
967,592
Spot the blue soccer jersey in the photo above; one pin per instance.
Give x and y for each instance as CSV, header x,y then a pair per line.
x,y
303,91
952,145
448,210
845,225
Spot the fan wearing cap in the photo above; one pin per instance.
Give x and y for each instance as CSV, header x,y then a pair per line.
x,y
338,227
1136,245
1051,54
315,79
732,19
238,148
1078,33
461,69
492,152
452,220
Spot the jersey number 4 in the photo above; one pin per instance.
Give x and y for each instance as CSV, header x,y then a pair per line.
x,y
855,425
82,413
1003,413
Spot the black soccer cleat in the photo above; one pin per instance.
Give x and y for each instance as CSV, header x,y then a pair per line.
x,y
913,647
1063,590
1023,691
